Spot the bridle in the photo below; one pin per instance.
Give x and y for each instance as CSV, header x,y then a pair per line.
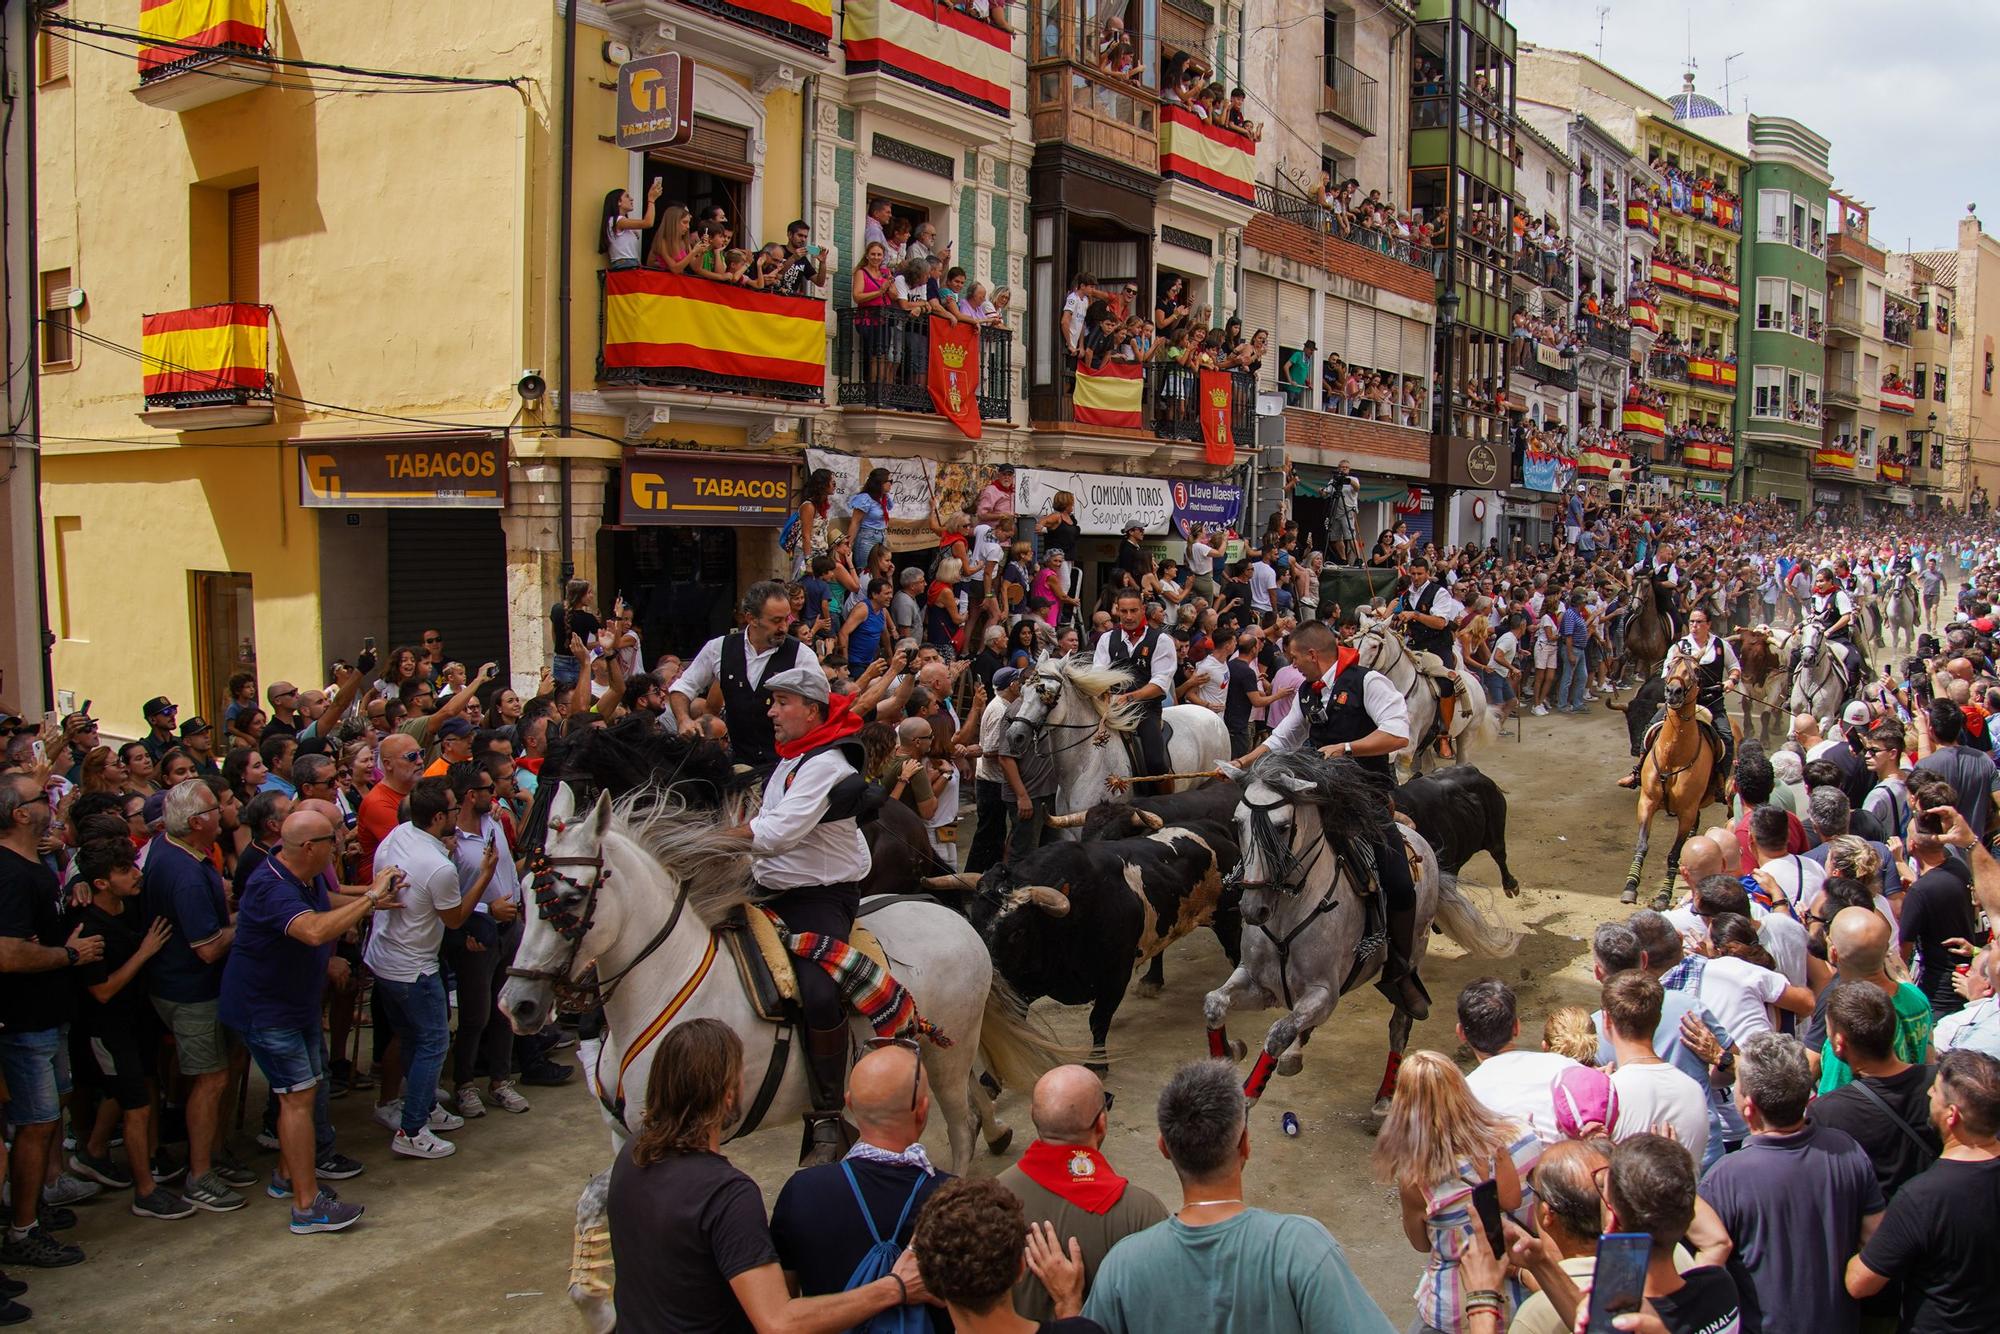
x,y
572,921
1050,695
1290,882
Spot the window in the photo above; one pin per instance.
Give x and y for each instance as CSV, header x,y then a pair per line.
x,y
52,50
1989,373
1937,386
1865,454
1769,398
243,238
1871,307
1923,379
1799,223
1770,297
58,333
1816,222
1772,208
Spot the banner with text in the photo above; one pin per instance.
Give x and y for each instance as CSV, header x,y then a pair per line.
x,y
913,483
1105,502
1213,505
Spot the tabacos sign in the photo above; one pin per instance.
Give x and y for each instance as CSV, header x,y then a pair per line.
x,y
705,489
411,472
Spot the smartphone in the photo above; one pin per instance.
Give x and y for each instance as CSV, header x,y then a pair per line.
x,y
1486,1202
1619,1283
86,707
368,643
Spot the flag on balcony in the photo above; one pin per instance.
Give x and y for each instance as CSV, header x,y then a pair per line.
x,y
1707,286
206,349
1110,395
1702,370
1725,374
954,373
1212,156
1645,315
933,46
1218,442
1890,472
1898,398
671,321
815,16
1645,419
1714,457
1598,461
177,29
1731,293
1835,455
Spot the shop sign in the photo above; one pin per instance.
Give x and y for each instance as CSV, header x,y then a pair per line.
x,y
1477,464
409,472
1214,505
1901,495
1825,496
1521,509
1105,502
1415,501
705,489
655,101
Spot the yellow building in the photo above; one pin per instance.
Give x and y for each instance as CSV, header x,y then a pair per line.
x,y
348,285
1971,425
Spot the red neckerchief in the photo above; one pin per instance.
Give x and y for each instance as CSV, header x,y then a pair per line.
x,y
1076,1173
532,763
839,723
1975,719
1343,658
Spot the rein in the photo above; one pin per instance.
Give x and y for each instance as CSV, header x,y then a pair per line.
x,y
1295,865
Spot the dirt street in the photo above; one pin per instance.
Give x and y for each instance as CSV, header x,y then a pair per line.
x,y
482,1240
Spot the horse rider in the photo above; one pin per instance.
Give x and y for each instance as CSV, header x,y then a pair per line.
x,y
1347,711
1148,659
745,661
1715,670
1832,609
1426,612
809,859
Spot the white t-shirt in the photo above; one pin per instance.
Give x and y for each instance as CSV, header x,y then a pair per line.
x,y
1737,993
1075,307
403,941
1797,878
1658,1093
1213,687
1200,559
992,722
1262,580
1516,1085
1504,649
1782,936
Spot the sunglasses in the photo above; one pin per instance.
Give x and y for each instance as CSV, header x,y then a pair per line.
x,y
909,1045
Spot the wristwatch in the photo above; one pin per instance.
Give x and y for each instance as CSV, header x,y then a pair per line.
x,y
1347,749
74,957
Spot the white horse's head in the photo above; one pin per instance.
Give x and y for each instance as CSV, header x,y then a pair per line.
x,y
1812,643
1067,693
1377,647
568,914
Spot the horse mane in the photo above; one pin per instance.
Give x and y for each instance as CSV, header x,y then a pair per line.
x,y
692,844
1095,684
1352,806
632,757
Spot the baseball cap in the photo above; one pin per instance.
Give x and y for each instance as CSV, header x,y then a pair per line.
x,y
1855,714
1005,677
157,704
1007,468
195,727
156,808
1583,1096
69,718
454,727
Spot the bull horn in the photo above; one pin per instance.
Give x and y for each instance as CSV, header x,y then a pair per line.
x,y
1051,901
1074,820
964,880
1150,819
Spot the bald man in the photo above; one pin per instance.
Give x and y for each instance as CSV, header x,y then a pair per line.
x,y
272,984
817,1224
1857,945
1064,1180
343,976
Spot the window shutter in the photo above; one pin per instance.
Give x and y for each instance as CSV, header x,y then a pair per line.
x,y
55,57
1260,311
1294,315
58,343
244,235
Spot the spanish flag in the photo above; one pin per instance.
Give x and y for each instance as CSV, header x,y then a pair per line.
x,y
1645,315
1731,293
1110,396
670,321
1213,156
1701,369
1644,419
1833,456
1725,373
1891,472
206,349
1599,461
933,46
814,16
1715,458
1639,214
1708,287
177,29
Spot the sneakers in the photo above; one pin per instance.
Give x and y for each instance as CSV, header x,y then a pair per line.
x,y
267,1139
1541,710
167,1168
13,1313
504,1096
337,1166
161,1204
38,1250
101,1170
278,1188
232,1171
389,1115
469,1104
209,1191
423,1144
444,1120
327,1213
55,1218
69,1188
547,1073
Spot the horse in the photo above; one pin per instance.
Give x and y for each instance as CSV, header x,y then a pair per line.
x,y
1646,634
1823,679
1678,775
1301,824
1072,698
1867,609
1381,649
1900,612
633,892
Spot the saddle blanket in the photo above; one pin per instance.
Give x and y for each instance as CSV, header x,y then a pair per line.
x,y
865,984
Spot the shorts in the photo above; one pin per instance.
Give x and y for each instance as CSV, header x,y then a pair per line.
x,y
1498,691
115,1064
35,1083
201,1046
1545,656
292,1059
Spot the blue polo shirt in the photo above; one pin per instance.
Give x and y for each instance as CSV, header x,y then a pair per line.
x,y
189,893
272,980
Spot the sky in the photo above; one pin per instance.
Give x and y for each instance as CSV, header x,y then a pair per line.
x,y
1907,92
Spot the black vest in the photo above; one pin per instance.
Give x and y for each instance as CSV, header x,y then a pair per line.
x,y
1708,676
1422,637
1137,662
1339,713
747,708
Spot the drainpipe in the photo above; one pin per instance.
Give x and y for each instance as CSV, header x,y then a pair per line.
x,y
565,227
31,289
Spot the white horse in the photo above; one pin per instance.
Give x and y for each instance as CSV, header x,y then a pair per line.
x,y
1072,699
1867,609
1304,917
636,893
1383,650
1821,683
1901,609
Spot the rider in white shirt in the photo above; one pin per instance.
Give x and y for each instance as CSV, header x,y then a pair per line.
x,y
1148,657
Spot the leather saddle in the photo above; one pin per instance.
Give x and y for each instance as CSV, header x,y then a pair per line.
x,y
765,966
1136,756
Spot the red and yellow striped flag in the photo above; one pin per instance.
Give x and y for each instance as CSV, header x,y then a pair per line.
x,y
1645,419
1111,395
670,321
1214,156
176,29
931,45
208,348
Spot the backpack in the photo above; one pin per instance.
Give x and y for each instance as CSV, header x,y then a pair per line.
x,y
880,1259
788,536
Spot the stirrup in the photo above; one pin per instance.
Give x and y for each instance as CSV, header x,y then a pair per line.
x,y
590,1262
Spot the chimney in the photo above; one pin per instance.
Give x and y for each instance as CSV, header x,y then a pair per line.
x,y
1969,229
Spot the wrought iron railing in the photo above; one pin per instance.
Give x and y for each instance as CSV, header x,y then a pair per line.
x,y
882,360
1348,94
1169,403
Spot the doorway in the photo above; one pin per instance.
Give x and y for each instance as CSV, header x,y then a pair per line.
x,y
225,637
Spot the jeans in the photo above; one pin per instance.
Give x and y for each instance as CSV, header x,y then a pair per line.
x,y
288,1064
420,1016
1029,833
1569,684
34,1085
480,1027
989,839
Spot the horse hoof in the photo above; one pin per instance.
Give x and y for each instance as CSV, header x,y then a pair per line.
x,y
1631,895
1511,887
1380,1111
1290,1064
1238,1049
1662,901
1000,1146
1146,987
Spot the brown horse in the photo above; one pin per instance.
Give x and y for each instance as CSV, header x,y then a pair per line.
x,y
1678,775
1646,628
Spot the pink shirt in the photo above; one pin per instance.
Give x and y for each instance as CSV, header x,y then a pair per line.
x,y
1047,585
996,499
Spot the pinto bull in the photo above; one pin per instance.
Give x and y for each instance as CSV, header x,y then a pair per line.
x,y
1461,813
1069,921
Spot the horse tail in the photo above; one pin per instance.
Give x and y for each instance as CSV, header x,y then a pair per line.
x,y
1015,1048
1478,928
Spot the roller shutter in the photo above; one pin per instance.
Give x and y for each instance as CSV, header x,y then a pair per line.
x,y
448,572
1294,325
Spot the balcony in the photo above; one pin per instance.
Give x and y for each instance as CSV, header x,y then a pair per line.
x,y
1602,337
922,45
1154,399
1608,215
1214,158
1898,324
1835,459
1587,199
1898,396
1844,317
1348,96
668,331
197,54
1298,228
1842,391
1544,268
209,367
1091,109
1686,448
1323,439
883,362
770,36
1667,367
1545,365
1849,251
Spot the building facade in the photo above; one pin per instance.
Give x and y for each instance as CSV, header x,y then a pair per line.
x,y
1971,423
1929,481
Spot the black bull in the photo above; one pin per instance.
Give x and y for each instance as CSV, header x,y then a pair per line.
x,y
1071,919
1647,700
1461,813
